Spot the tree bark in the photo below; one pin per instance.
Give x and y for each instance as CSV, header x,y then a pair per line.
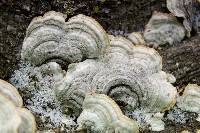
x,y
183,61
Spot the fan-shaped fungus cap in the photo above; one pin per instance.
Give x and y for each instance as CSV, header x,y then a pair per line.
x,y
102,114
10,92
51,38
189,101
163,28
14,118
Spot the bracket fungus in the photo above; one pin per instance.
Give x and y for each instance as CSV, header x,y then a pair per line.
x,y
51,38
14,118
11,93
189,10
163,28
189,101
102,115
183,9
130,74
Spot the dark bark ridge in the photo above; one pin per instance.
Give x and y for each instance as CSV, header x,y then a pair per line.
x,y
183,61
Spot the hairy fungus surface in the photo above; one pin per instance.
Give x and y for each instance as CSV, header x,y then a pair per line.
x,y
14,118
129,74
51,38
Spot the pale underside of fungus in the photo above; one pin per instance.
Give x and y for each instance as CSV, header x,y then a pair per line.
x,y
131,75
14,118
162,29
189,101
102,115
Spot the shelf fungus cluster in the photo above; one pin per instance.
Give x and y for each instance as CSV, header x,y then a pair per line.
x,y
189,101
104,64
14,118
128,74
102,115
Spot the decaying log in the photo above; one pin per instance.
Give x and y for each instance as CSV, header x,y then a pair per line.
x,y
183,61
